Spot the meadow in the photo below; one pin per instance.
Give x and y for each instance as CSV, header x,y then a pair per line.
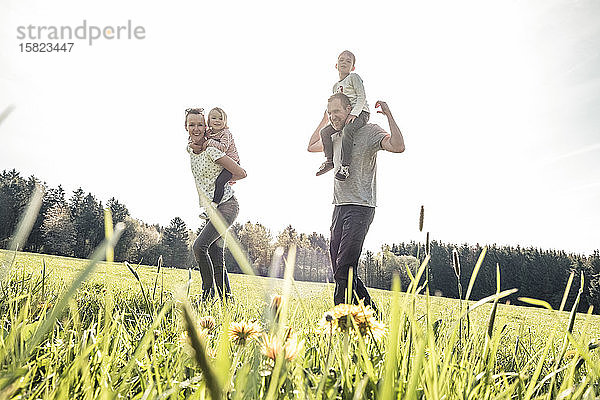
x,y
79,329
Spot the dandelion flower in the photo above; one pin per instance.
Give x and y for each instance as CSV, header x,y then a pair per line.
x,y
359,313
212,353
327,323
290,348
275,306
570,354
377,328
241,333
207,323
341,316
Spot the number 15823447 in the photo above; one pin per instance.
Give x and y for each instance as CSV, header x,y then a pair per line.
x,y
46,47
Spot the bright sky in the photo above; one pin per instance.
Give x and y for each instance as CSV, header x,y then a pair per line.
x,y
499,104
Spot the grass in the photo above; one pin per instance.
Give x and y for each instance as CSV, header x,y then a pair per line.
x,y
134,335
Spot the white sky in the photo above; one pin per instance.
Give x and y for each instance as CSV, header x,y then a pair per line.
x,y
499,103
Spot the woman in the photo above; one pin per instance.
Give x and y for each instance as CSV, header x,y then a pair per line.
x,y
206,167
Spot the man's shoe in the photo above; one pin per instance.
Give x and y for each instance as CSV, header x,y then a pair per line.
x,y
325,167
342,173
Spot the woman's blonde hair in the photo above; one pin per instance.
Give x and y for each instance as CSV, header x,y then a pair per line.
x,y
221,113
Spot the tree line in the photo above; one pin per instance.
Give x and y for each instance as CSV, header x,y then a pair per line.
x,y
539,274
73,225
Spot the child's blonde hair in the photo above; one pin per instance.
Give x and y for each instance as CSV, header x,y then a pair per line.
x,y
221,113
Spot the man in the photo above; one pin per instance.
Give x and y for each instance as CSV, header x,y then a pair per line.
x,y
355,197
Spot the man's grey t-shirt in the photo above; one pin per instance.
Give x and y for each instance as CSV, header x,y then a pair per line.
x,y
360,187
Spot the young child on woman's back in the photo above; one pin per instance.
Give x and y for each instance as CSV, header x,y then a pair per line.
x,y
352,86
218,136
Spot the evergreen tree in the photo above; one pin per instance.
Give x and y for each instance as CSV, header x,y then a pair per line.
x,y
59,231
88,217
175,241
14,197
118,210
120,214
35,239
256,240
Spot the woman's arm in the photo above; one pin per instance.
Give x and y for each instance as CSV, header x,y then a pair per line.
x,y
233,167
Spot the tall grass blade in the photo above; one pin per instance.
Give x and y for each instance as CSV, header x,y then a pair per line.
x,y
492,319
570,325
159,265
475,272
108,232
288,278
6,113
143,343
137,277
50,320
23,228
231,241
212,379
485,300
567,291
390,366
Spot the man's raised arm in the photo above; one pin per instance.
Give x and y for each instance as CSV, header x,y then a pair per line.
x,y
395,142
314,144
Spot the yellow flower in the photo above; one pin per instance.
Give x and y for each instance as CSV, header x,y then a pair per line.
x,y
275,306
570,354
207,323
241,333
341,316
212,353
327,323
273,346
378,329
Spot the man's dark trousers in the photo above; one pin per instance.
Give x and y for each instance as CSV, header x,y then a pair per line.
x,y
350,224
